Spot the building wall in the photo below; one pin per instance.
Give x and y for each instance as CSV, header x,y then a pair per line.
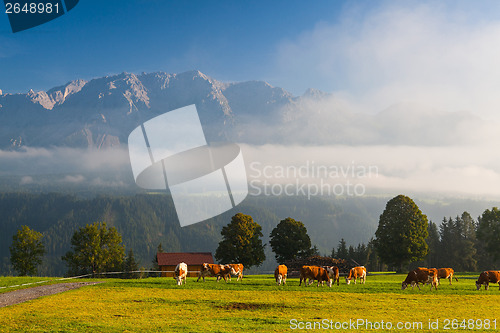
x,y
168,270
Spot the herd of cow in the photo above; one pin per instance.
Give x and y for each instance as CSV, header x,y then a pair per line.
x,y
218,271
330,275
428,276
432,275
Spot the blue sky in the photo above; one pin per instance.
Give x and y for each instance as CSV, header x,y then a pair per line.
x,y
370,54
230,40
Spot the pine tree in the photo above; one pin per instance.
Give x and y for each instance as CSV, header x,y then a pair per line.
x,y
373,262
360,255
351,253
156,267
155,260
488,234
459,235
433,242
342,252
467,238
130,266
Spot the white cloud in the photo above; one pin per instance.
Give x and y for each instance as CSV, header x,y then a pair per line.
x,y
75,179
472,170
441,55
465,171
26,180
61,160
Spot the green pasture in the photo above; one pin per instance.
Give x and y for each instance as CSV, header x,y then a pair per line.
x,y
256,304
11,283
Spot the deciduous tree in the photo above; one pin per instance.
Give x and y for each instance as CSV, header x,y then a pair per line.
x,y
241,242
401,233
26,251
289,240
96,249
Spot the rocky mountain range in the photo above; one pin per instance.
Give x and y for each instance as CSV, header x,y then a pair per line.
x,y
102,112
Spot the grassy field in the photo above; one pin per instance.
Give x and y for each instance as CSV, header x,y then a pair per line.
x,y
11,283
256,304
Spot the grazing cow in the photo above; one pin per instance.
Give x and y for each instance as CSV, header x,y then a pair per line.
x,y
333,273
433,281
314,273
421,275
280,274
180,273
356,272
226,272
303,271
237,270
446,273
219,271
486,277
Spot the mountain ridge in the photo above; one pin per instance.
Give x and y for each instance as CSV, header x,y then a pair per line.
x,y
101,112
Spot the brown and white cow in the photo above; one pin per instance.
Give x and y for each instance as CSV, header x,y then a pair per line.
x,y
446,273
356,272
486,277
303,272
280,274
225,273
314,273
421,275
180,273
333,273
219,271
434,280
237,270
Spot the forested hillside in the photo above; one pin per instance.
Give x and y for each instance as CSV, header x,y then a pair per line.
x,y
146,220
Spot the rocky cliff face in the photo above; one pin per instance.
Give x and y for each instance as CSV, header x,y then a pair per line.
x,y
102,112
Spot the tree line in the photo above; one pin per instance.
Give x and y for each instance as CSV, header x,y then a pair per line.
x,y
143,221
95,248
146,220
404,238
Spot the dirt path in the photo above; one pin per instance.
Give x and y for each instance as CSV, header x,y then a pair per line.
x,y
23,295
